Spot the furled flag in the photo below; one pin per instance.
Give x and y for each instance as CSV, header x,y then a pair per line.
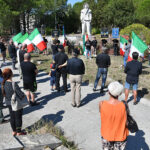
x,y
24,40
36,38
16,38
137,46
64,36
122,42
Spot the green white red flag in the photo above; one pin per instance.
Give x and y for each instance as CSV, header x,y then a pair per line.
x,y
64,36
36,38
16,38
137,46
24,40
122,42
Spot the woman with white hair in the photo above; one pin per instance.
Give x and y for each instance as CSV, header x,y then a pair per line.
x,y
113,119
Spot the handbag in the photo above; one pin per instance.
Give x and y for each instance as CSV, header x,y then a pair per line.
x,y
131,123
16,102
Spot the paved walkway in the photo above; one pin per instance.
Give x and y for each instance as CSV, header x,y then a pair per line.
x,y
81,125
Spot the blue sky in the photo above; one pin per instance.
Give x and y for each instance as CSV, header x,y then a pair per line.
x,y
74,1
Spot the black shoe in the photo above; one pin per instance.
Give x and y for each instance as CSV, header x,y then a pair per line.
x,y
67,91
4,121
73,105
34,103
78,106
94,89
101,91
135,103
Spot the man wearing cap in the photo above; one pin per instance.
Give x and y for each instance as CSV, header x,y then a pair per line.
x,y
59,59
103,62
76,69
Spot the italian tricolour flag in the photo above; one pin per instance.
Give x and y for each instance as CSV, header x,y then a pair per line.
x,y
16,38
137,46
24,40
36,38
122,42
64,36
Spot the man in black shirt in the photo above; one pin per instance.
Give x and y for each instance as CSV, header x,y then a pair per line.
x,y
61,58
12,53
88,45
54,48
94,44
133,69
29,72
103,62
76,69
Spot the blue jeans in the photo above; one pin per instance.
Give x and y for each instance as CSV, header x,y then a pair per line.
x,y
133,86
88,52
125,58
103,72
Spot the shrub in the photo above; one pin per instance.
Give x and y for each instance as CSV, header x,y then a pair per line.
x,y
95,31
142,31
48,31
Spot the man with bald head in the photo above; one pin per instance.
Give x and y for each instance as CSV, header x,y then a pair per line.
x,y
29,72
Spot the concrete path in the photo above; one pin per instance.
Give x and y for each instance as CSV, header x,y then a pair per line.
x,y
81,125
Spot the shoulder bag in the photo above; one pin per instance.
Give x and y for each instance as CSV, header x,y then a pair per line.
x,y
16,102
131,123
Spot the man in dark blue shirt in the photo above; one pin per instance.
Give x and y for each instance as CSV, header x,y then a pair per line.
x,y
133,69
103,62
76,69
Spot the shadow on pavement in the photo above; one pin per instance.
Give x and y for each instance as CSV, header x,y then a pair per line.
x,y
137,142
91,97
43,80
42,74
140,94
55,118
85,83
43,101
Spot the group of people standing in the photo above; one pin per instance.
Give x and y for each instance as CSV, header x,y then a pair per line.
x,y
113,112
90,48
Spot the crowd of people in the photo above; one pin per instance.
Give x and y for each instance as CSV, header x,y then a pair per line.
x,y
113,113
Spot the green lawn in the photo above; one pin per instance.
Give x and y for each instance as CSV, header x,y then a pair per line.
x,y
116,72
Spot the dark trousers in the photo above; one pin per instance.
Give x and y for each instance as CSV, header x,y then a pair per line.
x,y
1,106
13,62
15,119
64,76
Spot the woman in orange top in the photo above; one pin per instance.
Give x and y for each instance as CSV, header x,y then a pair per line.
x,y
113,120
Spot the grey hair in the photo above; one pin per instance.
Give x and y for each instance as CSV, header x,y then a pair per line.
x,y
104,49
27,56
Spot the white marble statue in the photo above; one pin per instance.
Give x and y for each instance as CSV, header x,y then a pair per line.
x,y
86,17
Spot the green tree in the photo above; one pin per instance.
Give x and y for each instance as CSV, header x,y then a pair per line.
x,y
143,12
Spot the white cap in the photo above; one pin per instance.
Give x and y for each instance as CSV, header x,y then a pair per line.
x,y
115,88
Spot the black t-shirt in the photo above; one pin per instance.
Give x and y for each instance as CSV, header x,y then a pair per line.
x,y
28,71
88,45
54,49
94,43
61,58
21,55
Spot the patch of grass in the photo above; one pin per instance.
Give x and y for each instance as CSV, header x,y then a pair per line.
x,y
44,126
115,71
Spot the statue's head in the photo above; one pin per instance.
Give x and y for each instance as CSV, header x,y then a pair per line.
x,y
86,6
